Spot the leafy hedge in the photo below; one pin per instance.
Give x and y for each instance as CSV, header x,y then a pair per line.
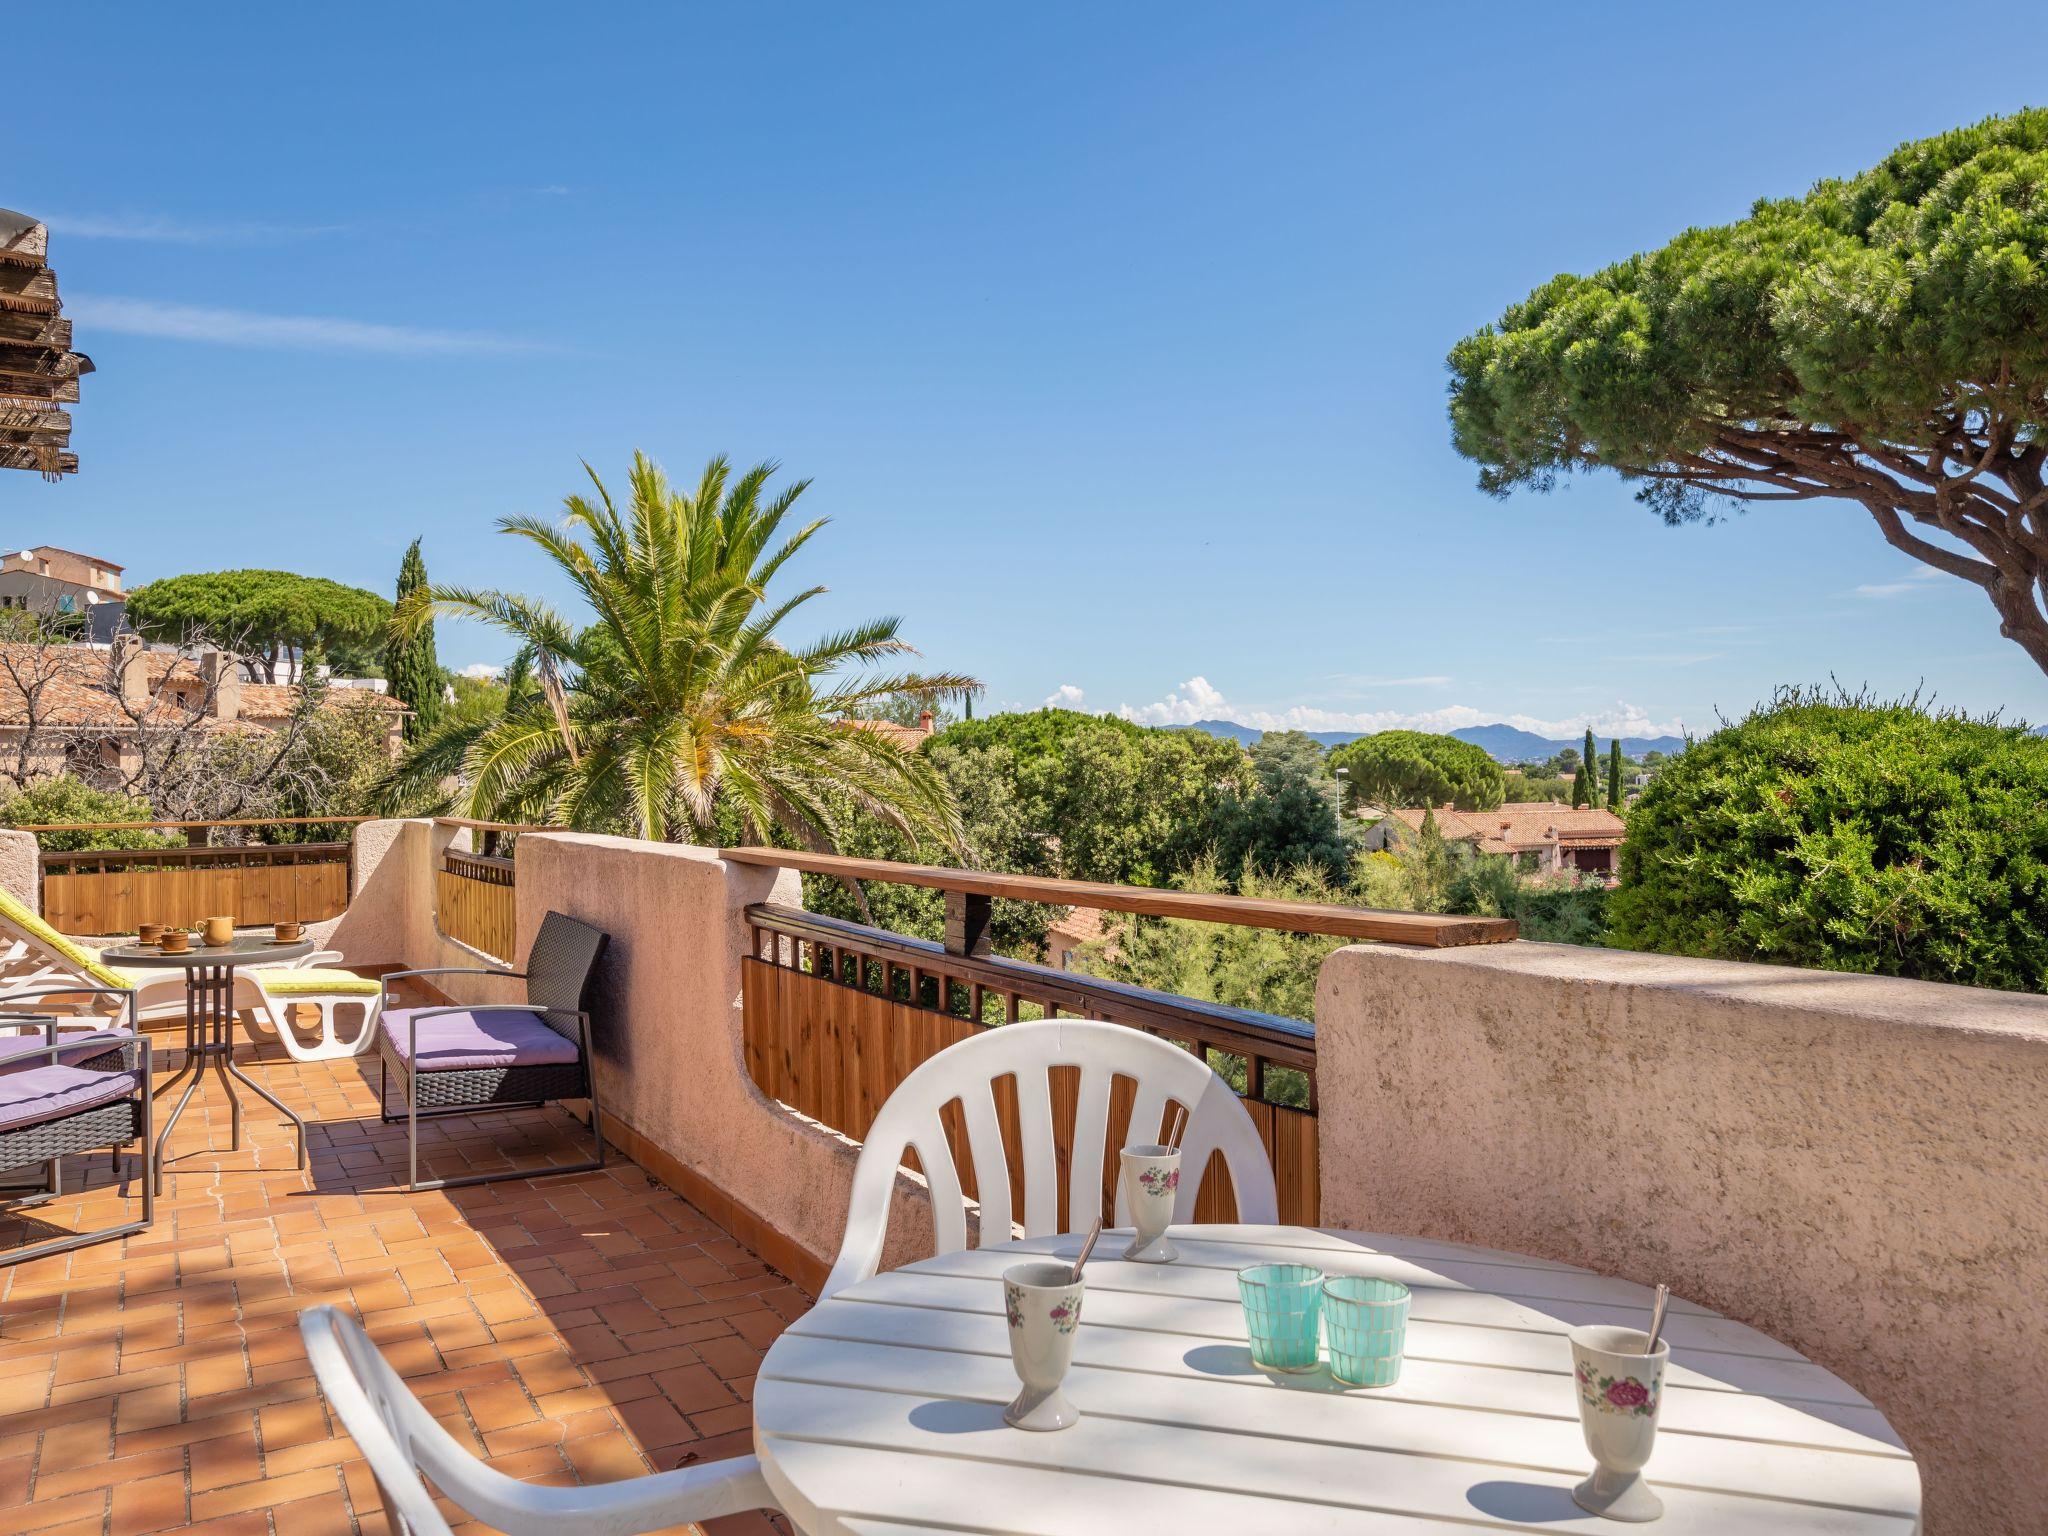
x,y
65,799
1848,835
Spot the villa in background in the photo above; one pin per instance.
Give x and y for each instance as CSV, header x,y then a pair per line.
x,y
54,582
85,709
1545,837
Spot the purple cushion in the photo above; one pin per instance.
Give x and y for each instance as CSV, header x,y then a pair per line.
x,y
103,1041
477,1037
47,1093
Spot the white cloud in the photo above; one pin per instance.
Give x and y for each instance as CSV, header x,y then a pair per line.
x,y
483,671
1066,696
1196,700
162,230
240,327
1916,580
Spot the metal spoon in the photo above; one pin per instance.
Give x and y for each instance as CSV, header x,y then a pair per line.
x,y
1086,1248
1656,1318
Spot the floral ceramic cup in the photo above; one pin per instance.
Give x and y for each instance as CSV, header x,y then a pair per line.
x,y
1043,1300
1151,1180
1620,1390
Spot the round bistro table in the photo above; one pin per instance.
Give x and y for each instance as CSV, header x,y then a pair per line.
x,y
210,1024
879,1412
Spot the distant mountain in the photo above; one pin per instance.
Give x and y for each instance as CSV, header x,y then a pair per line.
x,y
1503,743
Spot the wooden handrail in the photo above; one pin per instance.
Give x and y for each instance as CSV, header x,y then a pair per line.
x,y
1414,928
245,821
495,826
1242,1031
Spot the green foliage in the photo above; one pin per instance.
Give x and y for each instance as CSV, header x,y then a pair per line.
x,y
265,612
1408,769
1538,786
1838,832
1592,774
1883,339
410,664
1117,802
65,799
1286,819
1614,790
681,712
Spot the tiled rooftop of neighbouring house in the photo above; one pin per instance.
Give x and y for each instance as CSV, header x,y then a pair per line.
x,y
582,1328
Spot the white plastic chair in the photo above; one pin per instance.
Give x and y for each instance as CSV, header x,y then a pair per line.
x,y
316,981
401,1441
968,1071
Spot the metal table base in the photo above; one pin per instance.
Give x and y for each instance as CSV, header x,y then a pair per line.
x,y
210,1038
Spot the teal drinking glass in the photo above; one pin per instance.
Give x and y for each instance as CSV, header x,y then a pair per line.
x,y
1367,1321
1283,1306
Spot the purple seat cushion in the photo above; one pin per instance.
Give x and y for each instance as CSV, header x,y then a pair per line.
x,y
475,1038
103,1042
48,1093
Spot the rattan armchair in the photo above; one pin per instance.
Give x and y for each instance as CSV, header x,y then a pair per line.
x,y
66,1095
462,1058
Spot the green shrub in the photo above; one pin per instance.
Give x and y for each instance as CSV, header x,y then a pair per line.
x,y
1850,835
1409,769
68,799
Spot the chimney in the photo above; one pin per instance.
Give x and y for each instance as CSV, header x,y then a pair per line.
x,y
131,674
924,721
221,676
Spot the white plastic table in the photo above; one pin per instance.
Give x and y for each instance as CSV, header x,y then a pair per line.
x,y
878,1413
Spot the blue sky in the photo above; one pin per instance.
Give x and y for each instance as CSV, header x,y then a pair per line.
x,y
1112,337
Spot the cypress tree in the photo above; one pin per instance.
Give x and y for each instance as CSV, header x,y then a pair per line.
x,y
1592,760
410,665
1614,775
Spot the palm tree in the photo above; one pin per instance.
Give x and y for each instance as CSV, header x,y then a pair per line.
x,y
681,704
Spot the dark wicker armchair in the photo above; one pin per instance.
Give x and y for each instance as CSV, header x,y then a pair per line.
x,y
64,1095
463,1058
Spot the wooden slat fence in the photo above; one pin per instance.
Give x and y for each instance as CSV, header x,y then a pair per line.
x,y
836,1015
112,891
478,903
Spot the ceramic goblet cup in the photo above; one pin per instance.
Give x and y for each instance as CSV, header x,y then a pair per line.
x,y
1043,1300
1620,1392
1151,1179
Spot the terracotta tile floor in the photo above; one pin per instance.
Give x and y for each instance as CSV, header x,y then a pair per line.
x,y
582,1328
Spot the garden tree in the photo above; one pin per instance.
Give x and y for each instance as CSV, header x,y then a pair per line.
x,y
409,660
1881,340
265,614
428,779
1614,795
66,799
682,704
1286,820
1592,774
1117,802
1410,769
1838,832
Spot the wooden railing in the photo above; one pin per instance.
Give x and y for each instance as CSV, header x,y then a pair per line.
x,y
837,1014
477,902
110,891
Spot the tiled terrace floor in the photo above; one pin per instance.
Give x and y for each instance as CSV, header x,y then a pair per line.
x,y
583,1328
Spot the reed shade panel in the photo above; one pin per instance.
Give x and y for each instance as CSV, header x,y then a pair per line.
x,y
835,1050
114,891
477,903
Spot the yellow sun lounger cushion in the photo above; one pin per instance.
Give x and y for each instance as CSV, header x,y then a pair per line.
x,y
317,981
69,950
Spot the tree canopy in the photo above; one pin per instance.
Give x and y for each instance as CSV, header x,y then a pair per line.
x,y
1848,835
1412,769
1883,339
682,713
265,613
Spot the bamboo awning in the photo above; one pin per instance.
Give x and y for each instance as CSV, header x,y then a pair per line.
x,y
39,372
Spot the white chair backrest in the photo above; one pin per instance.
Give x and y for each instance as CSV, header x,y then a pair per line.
x,y
968,1071
396,1435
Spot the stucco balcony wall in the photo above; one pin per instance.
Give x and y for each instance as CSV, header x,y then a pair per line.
x,y
1857,1166
667,1019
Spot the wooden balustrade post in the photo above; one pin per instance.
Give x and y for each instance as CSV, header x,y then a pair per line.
x,y
968,919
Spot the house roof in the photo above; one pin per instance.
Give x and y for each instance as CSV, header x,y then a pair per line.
x,y
73,688
59,549
908,737
1523,826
